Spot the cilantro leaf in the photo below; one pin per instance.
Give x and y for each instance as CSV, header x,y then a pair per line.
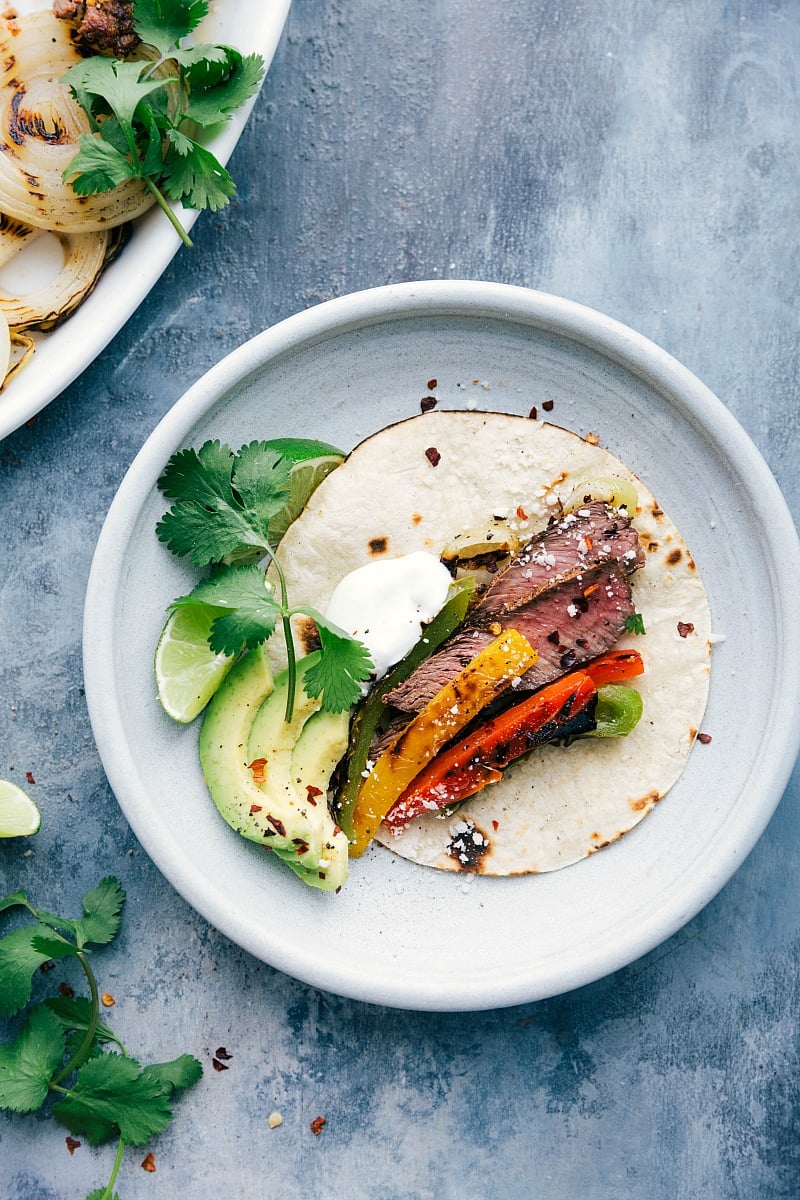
x,y
53,945
173,1076
162,25
13,900
113,1095
102,907
214,100
203,65
261,478
75,1014
635,623
194,176
19,959
343,666
118,83
249,613
209,520
29,1060
98,166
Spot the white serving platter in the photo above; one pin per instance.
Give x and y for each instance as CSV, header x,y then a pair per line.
x,y
399,934
252,26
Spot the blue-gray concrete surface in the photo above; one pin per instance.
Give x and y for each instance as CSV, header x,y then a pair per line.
x,y
643,159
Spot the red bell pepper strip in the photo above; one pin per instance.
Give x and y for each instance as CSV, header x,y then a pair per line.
x,y
562,708
614,667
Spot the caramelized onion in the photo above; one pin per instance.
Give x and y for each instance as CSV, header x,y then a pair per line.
x,y
15,350
84,256
40,126
5,347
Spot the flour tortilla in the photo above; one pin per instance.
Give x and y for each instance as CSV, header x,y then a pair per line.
x,y
559,804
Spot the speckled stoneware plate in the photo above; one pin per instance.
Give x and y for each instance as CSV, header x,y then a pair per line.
x,y
254,27
400,934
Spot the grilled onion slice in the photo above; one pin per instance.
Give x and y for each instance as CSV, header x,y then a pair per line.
x,y
15,350
5,348
40,125
84,257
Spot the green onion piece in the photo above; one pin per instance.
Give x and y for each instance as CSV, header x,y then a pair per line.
x,y
368,717
618,710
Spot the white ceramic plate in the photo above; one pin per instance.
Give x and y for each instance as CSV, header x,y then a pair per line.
x,y
399,934
252,26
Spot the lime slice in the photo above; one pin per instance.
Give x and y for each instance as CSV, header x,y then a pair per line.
x,y
188,672
19,816
312,461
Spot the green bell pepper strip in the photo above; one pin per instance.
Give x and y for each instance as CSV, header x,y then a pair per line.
x,y
368,716
618,711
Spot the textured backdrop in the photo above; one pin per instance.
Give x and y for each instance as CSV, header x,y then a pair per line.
x,y
643,159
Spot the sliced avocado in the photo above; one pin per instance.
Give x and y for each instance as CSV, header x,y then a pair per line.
x,y
245,722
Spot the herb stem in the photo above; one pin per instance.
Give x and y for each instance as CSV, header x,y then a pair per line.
x,y
82,1053
109,1188
158,196
286,622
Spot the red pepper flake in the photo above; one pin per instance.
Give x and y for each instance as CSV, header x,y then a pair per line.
x,y
217,1065
313,792
495,825
254,808
705,738
317,1125
277,824
223,1054
257,767
427,403
432,383
547,405
533,415
433,456
66,990
685,628
47,966
523,516
29,777
72,1144
149,1163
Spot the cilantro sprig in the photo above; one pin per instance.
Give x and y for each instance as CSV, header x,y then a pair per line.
x,y
60,1050
226,510
147,116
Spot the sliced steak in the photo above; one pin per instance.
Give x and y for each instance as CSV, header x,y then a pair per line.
x,y
592,535
568,625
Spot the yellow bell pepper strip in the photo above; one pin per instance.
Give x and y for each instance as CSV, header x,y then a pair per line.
x,y
371,712
582,703
491,672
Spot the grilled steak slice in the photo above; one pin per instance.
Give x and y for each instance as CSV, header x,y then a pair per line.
x,y
593,535
568,624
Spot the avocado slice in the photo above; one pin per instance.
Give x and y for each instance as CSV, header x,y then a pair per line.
x,y
271,804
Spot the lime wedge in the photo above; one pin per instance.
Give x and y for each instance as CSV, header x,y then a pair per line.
x,y
188,672
19,816
312,461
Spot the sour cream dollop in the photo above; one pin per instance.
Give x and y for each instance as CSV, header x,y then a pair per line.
x,y
385,603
